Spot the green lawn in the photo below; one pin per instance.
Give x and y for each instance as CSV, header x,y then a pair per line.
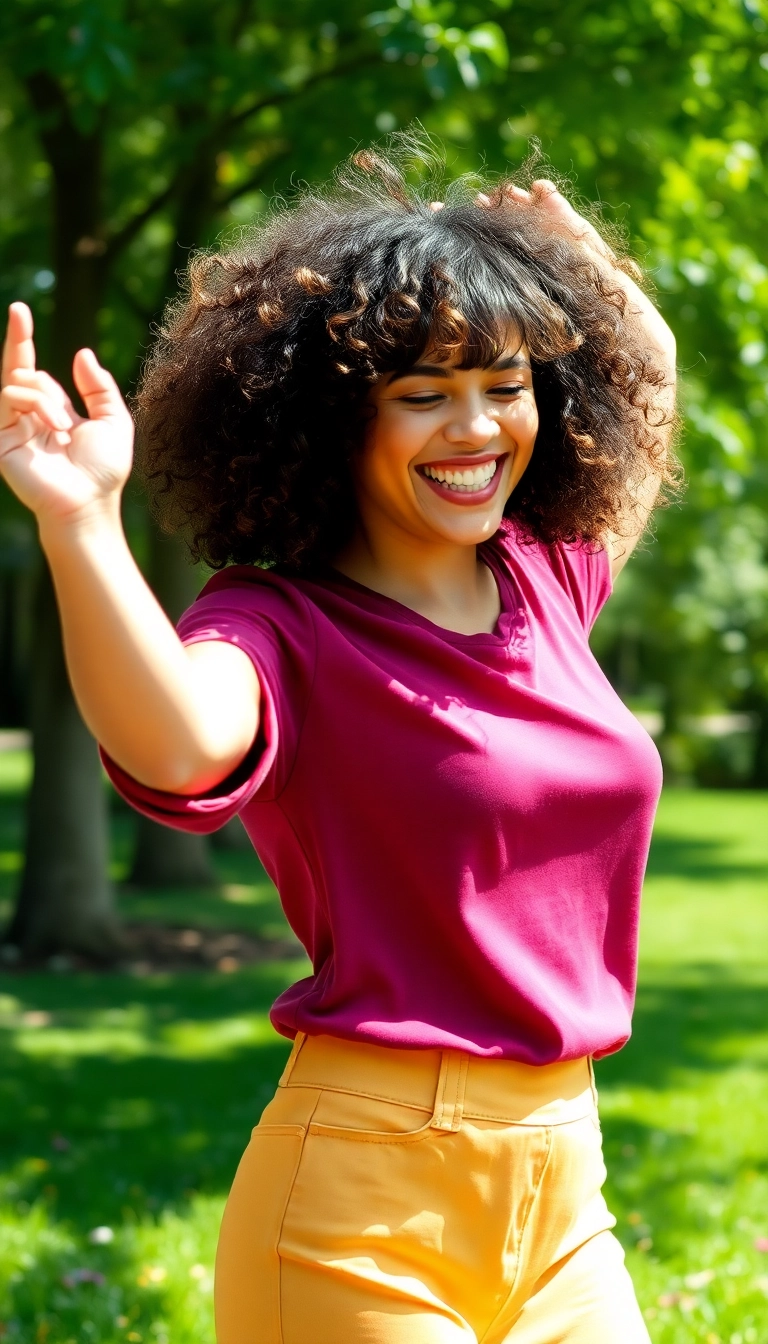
x,y
125,1102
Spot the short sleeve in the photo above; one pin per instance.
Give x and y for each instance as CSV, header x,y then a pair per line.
x,y
270,620
585,574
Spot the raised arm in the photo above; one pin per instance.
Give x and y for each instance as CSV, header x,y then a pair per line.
x,y
179,719
653,333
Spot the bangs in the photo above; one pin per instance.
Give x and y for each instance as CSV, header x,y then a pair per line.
x,y
450,288
473,325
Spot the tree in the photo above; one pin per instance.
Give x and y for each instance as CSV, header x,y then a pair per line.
x,y
154,121
178,119
659,110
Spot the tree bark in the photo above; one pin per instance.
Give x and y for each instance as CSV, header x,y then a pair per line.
x,y
165,857
65,901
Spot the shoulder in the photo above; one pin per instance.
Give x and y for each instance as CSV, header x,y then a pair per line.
x,y
252,607
253,592
578,570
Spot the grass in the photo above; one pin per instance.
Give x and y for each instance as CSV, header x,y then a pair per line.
x,y
125,1102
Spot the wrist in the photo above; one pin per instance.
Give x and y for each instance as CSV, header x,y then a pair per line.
x,y
98,520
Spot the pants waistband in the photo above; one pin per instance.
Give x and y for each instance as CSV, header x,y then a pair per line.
x,y
449,1084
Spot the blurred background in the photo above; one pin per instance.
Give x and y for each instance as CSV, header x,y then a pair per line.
x,y
137,963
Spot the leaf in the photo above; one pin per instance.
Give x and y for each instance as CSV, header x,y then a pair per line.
x,y
489,38
467,68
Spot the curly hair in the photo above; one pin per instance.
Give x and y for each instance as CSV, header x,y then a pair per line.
x,y
255,396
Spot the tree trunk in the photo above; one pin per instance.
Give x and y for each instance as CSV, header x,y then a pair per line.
x,y
65,901
165,857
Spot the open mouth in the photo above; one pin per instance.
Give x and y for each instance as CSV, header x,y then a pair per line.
x,y
464,482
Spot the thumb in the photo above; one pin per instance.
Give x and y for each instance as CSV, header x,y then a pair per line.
x,y
97,387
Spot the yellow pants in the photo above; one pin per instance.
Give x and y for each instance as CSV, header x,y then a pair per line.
x,y
423,1197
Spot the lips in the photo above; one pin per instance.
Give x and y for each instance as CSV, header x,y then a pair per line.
x,y
464,481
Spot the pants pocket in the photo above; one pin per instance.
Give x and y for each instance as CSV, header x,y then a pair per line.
x,y
247,1288
350,1115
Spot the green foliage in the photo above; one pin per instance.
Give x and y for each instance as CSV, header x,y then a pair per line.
x,y
191,114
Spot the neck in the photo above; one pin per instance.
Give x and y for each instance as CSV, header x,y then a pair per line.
x,y
445,582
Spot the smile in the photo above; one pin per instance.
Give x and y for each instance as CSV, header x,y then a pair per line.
x,y
465,482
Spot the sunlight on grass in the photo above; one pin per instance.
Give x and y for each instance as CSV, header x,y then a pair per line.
x,y
683,1106
129,1032
15,771
151,1280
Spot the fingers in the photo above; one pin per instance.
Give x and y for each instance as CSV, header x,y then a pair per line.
x,y
544,194
43,382
97,387
26,429
19,347
32,400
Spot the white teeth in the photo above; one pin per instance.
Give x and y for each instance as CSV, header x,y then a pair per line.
x,y
466,480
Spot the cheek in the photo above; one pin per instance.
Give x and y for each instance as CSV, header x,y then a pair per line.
x,y
387,453
523,425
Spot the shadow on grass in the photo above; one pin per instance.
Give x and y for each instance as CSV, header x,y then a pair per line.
x,y
683,1038
679,1027
699,859
119,1098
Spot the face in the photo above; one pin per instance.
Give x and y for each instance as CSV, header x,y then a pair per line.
x,y
447,446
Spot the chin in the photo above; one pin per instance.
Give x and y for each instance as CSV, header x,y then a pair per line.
x,y
468,531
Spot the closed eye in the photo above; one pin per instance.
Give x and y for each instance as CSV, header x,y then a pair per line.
x,y
424,399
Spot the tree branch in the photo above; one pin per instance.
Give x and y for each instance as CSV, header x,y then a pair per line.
x,y
129,231
254,181
286,96
120,240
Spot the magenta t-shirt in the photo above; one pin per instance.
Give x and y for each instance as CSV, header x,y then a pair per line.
x,y
457,825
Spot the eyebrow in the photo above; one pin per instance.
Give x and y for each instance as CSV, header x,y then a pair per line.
x,y
517,361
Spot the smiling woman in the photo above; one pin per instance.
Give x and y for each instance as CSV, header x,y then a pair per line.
x,y
430,437
254,402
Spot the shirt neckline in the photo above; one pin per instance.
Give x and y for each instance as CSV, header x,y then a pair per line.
x,y
510,612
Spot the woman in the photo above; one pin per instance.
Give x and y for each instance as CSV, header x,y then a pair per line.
x,y
428,433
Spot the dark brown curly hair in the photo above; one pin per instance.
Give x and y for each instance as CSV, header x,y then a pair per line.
x,y
255,397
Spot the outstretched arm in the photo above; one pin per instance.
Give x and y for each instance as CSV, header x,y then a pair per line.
x,y
179,719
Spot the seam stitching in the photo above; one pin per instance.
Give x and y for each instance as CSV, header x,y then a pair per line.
x,y
281,1336
523,1229
372,1096
466,1114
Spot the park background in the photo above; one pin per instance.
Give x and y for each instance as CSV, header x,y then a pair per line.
x,y
138,965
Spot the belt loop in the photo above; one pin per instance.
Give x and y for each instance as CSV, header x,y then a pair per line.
x,y
451,1086
299,1040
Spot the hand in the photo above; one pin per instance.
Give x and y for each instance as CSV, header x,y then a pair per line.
x,y
57,463
561,215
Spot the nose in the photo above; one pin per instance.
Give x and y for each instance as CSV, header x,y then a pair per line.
x,y
475,429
